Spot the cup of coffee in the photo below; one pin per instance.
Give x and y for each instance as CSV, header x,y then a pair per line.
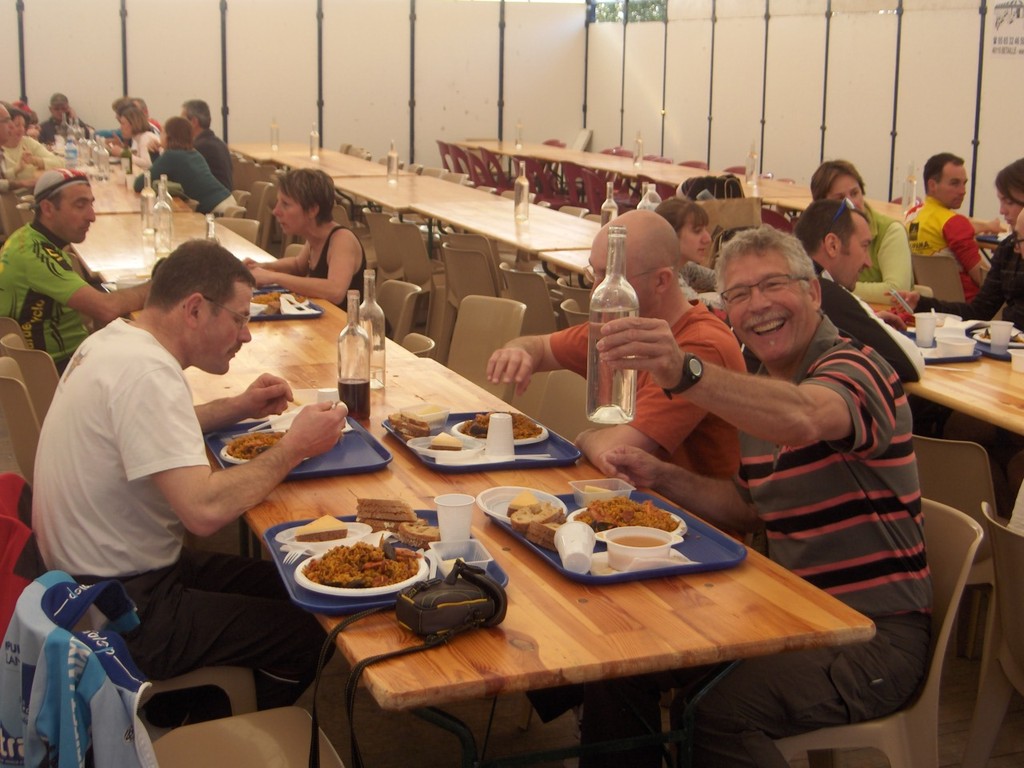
x,y
454,515
924,328
999,335
574,542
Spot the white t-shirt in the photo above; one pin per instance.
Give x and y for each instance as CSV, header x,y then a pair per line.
x,y
123,411
142,145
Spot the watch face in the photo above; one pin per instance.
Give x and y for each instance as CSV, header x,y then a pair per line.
x,y
696,367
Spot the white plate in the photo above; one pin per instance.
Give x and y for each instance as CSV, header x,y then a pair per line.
x,y
680,529
302,581
494,501
228,457
470,447
356,531
455,430
979,335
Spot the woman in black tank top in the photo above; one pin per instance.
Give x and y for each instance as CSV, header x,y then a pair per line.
x,y
332,259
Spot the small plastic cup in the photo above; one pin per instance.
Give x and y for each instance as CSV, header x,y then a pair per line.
x,y
454,515
499,436
1017,360
924,325
999,335
575,544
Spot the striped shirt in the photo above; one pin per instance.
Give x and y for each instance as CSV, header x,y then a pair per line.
x,y
846,515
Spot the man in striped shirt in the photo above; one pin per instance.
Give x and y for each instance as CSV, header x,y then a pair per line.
x,y
827,467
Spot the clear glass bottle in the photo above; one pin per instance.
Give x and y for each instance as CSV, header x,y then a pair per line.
x,y
910,189
211,228
751,172
522,194
638,151
354,363
371,318
101,157
611,394
314,143
163,220
392,164
650,200
275,135
70,151
147,201
609,208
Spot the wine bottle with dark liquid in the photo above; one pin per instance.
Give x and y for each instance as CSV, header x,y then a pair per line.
x,y
354,363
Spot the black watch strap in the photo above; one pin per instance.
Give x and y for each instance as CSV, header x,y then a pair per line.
x,y
693,370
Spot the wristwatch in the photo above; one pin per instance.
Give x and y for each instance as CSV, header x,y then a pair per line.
x,y
693,370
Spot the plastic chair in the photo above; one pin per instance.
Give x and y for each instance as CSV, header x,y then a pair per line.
x,y
471,241
389,261
438,173
247,228
574,210
909,737
531,288
468,272
776,220
958,474
696,164
238,684
265,217
494,165
1002,665
484,324
419,345
544,184
446,155
564,405
572,312
20,415
459,159
276,738
940,272
37,370
8,325
398,300
578,292
582,140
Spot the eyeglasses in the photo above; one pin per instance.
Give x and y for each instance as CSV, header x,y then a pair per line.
x,y
740,294
241,320
592,277
845,205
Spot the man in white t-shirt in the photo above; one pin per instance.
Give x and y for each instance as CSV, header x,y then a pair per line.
x,y
122,473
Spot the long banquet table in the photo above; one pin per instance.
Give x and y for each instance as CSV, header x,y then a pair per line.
x,y
296,155
986,389
113,196
556,631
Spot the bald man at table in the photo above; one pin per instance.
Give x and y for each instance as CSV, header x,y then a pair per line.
x,y
122,472
676,430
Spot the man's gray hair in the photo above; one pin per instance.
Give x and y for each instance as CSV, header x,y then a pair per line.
x,y
198,109
760,242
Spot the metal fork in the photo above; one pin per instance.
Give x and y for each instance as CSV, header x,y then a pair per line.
x,y
294,555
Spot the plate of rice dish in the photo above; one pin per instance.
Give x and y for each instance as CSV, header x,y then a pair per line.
x,y
361,570
525,431
248,446
619,512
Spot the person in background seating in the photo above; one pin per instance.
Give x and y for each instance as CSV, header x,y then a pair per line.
x,y
206,142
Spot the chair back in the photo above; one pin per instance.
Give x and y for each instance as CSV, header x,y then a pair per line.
x,y
398,300
438,173
389,261
471,241
247,228
1008,554
564,405
941,273
696,164
484,324
419,345
266,217
20,415
497,169
909,736
9,325
459,159
292,249
10,217
572,313
408,241
776,220
531,288
574,210
467,272
594,188
578,292
582,140
37,370
574,189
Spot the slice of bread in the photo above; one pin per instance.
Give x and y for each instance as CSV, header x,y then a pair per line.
x,y
419,534
542,512
385,509
542,534
408,426
324,528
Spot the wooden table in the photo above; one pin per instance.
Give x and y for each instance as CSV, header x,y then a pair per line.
x,y
296,155
574,261
113,247
115,197
556,631
987,389
410,191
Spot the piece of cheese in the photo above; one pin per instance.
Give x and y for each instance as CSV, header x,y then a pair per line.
x,y
322,529
522,499
446,442
594,489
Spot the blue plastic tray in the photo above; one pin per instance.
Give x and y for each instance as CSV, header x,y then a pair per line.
x,y
709,548
563,453
318,311
358,452
332,605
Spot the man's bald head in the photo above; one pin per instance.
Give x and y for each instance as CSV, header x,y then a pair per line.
x,y
650,241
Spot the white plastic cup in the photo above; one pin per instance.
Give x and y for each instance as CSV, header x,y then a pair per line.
x,y
575,544
499,436
454,515
924,325
327,395
999,335
1017,360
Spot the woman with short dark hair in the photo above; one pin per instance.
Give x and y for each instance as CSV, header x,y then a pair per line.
x,y
145,142
331,260
184,165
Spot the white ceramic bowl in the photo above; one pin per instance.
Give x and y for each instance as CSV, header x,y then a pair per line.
x,y
955,347
610,488
637,542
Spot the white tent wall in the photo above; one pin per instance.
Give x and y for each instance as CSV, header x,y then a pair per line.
x,y
559,75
